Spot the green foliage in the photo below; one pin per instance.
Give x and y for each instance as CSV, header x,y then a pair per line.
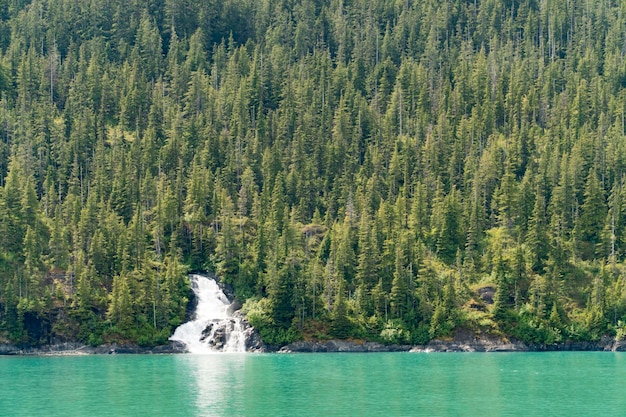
x,y
258,312
394,332
533,331
364,167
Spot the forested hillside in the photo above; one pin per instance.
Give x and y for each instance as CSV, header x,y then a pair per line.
x,y
383,170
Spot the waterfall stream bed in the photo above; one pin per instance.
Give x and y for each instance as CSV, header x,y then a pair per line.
x,y
215,327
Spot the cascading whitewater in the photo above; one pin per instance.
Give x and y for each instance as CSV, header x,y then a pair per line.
x,y
214,327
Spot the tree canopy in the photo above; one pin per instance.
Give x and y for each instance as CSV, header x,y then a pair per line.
x,y
354,169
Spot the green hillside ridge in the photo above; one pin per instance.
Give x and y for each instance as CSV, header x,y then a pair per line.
x,y
377,170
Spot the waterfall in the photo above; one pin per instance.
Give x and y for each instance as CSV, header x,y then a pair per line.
x,y
214,328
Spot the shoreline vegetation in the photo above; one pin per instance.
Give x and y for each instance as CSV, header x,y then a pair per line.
x,y
390,171
460,343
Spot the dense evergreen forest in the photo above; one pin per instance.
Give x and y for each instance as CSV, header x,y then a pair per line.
x,y
382,170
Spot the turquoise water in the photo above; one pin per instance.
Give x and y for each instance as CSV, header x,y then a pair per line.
x,y
376,384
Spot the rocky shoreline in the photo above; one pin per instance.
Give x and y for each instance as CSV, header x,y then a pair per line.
x,y
457,344
73,349
477,344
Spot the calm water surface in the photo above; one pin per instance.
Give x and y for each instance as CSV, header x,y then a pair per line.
x,y
375,384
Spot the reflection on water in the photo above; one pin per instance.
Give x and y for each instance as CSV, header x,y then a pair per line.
x,y
216,382
404,384
271,385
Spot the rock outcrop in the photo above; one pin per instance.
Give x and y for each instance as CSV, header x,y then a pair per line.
x,y
80,349
342,346
252,337
217,333
466,343
463,341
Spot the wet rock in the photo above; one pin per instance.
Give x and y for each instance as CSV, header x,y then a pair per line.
x,y
208,330
234,307
218,341
253,340
217,333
